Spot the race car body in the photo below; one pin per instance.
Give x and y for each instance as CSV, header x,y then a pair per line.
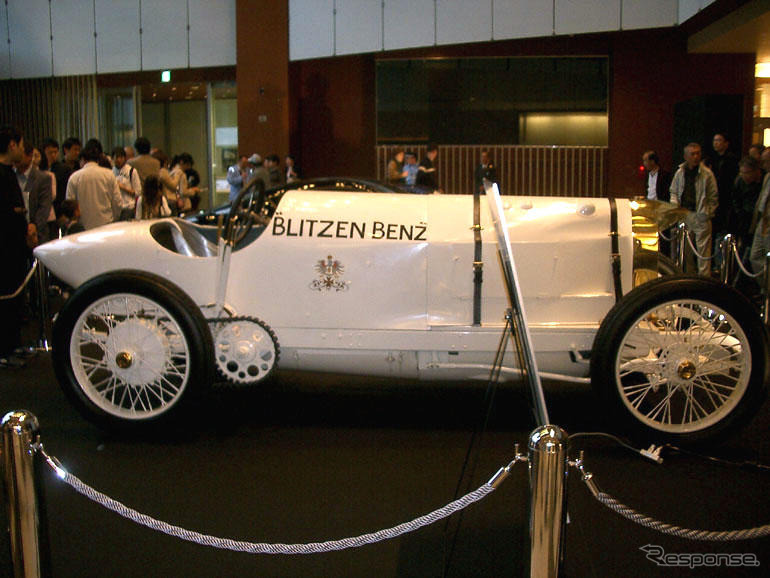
x,y
374,283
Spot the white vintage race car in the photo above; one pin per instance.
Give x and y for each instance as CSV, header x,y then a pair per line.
x,y
400,285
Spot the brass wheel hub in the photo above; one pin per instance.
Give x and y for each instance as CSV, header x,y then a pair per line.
x,y
124,360
686,370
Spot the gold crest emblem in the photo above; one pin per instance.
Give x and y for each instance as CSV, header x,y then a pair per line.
x,y
329,272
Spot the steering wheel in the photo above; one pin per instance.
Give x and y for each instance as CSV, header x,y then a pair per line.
x,y
243,215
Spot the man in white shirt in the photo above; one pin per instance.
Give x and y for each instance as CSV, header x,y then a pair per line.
x,y
129,183
95,188
694,187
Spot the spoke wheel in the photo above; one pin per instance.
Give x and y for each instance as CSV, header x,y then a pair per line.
x,y
129,356
129,349
681,359
246,350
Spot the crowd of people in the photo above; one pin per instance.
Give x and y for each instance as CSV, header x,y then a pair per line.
x,y
45,195
86,188
723,194
266,170
405,172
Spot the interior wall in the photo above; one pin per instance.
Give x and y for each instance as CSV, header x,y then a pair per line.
x,y
262,76
563,129
333,101
176,127
333,125
154,124
651,73
187,122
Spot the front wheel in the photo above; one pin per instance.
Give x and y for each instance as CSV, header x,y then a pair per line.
x,y
681,359
131,350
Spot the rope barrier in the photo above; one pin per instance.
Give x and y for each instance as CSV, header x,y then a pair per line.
x,y
734,250
23,284
695,251
663,527
270,548
742,266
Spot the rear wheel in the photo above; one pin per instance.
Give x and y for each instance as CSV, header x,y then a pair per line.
x,y
681,359
131,350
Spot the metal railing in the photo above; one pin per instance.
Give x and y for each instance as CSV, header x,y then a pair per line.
x,y
560,171
40,294
730,264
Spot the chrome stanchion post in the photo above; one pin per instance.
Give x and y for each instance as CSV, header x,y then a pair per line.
x,y
20,431
681,245
548,449
42,303
727,266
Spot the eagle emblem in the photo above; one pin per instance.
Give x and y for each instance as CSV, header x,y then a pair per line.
x,y
329,272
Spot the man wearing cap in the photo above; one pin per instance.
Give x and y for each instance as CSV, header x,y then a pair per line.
x,y
259,170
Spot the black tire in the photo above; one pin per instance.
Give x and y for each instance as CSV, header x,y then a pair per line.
x,y
144,353
677,347
649,265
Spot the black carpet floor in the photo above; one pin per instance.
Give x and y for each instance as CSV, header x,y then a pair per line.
x,y
311,458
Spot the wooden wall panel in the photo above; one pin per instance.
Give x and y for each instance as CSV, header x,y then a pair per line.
x,y
212,32
118,43
164,34
311,28
409,23
522,18
583,16
72,32
29,26
358,26
5,54
262,76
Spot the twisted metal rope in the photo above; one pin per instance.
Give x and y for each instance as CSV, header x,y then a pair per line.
x,y
743,268
695,251
23,283
664,528
262,547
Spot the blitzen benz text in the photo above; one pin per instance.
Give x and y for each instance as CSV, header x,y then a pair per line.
x,y
347,229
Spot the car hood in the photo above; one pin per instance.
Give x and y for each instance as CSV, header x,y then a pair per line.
x,y
126,245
